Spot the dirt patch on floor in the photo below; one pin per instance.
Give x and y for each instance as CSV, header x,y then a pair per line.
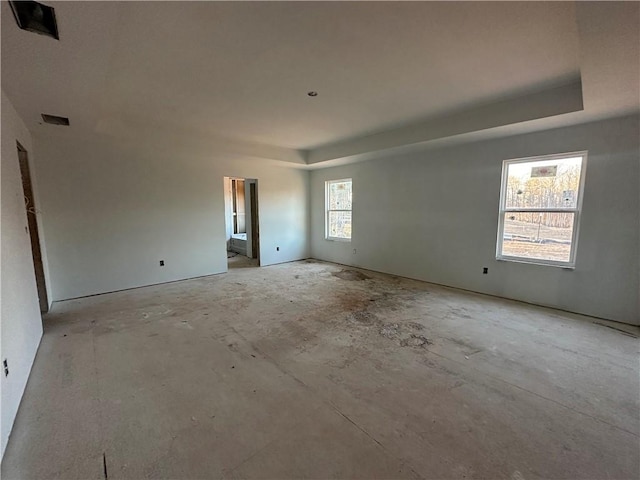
x,y
415,341
390,330
352,301
401,332
372,305
350,275
362,316
415,326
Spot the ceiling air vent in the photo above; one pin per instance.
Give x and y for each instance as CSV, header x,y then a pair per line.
x,y
35,17
55,120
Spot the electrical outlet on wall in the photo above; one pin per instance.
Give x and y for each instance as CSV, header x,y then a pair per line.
x,y
354,251
162,263
5,364
277,249
485,270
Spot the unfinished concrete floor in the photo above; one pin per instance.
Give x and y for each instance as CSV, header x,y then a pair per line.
x,y
312,370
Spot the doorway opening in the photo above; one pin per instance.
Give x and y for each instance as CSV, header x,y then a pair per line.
x,y
32,223
242,222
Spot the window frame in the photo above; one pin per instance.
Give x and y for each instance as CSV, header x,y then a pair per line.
x,y
577,210
327,210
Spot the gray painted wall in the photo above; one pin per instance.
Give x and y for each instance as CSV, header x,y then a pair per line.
x,y
20,321
112,209
433,216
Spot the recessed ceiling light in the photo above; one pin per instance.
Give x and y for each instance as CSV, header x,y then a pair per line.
x,y
312,94
55,120
35,17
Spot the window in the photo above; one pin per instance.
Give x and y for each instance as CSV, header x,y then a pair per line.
x,y
338,199
540,205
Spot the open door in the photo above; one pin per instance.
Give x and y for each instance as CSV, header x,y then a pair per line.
x,y
33,228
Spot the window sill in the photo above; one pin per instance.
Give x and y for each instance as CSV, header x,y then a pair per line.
x,y
335,239
542,263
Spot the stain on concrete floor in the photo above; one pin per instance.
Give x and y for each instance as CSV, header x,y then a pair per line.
x,y
403,334
363,316
414,340
351,275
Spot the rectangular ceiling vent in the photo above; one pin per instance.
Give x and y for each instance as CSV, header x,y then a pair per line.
x,y
35,17
55,120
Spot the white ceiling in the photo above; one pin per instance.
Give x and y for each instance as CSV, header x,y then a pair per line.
x,y
239,72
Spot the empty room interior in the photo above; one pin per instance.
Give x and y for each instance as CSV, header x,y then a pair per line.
x,y
320,240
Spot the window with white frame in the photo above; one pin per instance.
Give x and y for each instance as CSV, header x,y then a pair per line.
x,y
540,205
338,197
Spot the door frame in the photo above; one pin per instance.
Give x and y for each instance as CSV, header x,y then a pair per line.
x,y
32,222
255,221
